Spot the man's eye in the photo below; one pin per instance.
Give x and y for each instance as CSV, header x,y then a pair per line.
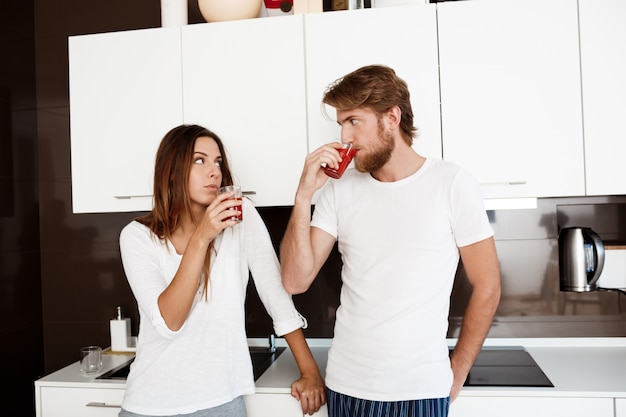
x,y
353,121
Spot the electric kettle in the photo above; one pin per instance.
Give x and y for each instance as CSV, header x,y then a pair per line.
x,y
581,259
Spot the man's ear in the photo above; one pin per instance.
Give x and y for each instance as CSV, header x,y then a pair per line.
x,y
394,116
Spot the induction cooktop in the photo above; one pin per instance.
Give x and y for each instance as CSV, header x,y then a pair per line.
x,y
506,367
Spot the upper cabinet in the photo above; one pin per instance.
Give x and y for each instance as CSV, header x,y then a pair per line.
x,y
244,80
603,67
495,87
404,38
125,94
511,95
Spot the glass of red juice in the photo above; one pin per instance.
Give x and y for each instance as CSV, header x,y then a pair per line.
x,y
347,152
237,195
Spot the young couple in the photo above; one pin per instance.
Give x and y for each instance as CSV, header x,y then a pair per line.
x,y
188,264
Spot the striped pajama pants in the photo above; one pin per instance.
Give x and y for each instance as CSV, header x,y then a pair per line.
x,y
341,405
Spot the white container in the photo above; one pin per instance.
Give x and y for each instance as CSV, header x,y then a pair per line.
x,y
614,271
120,335
224,10
174,13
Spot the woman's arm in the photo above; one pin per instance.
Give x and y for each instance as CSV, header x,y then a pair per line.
x,y
309,388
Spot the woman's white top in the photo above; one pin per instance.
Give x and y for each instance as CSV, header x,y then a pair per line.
x,y
206,363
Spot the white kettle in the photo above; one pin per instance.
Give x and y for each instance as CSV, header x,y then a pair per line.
x,y
581,259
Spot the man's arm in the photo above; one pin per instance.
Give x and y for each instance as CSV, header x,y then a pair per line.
x,y
304,249
480,262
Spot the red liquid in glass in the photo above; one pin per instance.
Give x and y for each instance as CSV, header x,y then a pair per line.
x,y
238,217
346,157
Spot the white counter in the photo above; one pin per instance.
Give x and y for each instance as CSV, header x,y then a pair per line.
x,y
70,376
589,376
588,367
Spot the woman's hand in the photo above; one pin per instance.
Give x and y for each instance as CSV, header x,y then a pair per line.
x,y
216,216
310,391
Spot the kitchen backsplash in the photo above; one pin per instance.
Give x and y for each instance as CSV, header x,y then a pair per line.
x,y
527,244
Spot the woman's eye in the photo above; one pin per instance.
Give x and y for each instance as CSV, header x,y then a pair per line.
x,y
218,163
198,161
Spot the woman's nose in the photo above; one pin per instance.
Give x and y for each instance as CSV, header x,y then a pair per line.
x,y
214,171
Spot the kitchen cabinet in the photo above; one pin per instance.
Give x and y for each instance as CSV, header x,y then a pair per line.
x,y
603,68
404,38
531,406
244,80
495,87
125,94
601,393
281,405
81,402
511,96
69,393
620,407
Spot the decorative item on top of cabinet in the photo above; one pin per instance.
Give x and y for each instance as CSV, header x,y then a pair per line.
x,y
278,7
223,10
307,6
174,13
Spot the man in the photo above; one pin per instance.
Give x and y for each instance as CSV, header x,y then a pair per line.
x,y
401,222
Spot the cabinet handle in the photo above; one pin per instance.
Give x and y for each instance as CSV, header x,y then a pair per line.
x,y
102,405
128,197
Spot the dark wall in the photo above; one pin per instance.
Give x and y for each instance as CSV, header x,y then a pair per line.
x,y
20,282
81,277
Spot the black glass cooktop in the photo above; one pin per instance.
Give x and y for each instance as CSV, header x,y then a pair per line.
x,y
261,357
506,367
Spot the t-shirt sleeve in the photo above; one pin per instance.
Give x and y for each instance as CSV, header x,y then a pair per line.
x,y
325,213
470,223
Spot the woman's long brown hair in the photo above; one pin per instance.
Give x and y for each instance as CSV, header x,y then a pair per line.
x,y
171,179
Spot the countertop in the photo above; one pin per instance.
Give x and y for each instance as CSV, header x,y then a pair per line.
x,y
578,367
70,376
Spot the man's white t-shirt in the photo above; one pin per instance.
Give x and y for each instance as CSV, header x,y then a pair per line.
x,y
399,246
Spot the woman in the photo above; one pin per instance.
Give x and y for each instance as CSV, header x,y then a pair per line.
x,y
187,264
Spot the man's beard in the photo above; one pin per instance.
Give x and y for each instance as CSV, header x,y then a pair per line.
x,y
379,156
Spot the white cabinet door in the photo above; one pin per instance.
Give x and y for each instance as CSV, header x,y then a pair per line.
x,y
125,94
511,96
276,405
603,66
531,406
80,402
244,80
404,38
620,407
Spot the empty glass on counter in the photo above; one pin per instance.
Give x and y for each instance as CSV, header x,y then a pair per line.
x,y
90,360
